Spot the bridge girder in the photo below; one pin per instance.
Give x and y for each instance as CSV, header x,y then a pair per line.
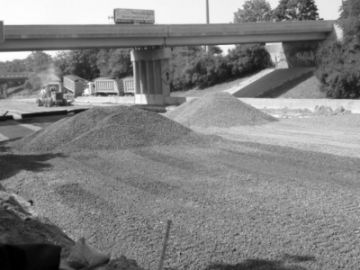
x,y
57,37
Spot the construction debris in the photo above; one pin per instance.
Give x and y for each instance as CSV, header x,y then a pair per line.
x,y
30,242
218,110
83,256
19,226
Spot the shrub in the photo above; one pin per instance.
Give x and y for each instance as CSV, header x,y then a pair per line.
x,y
210,69
338,66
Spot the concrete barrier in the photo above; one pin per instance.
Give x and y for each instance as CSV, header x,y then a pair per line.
x,y
352,105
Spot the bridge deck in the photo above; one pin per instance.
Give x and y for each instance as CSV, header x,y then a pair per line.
x,y
14,75
48,37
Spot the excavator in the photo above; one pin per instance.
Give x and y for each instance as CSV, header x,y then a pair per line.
x,y
53,95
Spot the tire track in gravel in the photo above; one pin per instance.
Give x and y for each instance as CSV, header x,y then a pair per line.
x,y
255,204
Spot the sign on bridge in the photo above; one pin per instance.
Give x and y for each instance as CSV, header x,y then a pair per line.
x,y
134,16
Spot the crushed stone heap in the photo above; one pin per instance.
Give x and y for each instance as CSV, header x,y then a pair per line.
x,y
108,128
218,110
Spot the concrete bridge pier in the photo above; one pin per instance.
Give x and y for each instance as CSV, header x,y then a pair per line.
x,y
151,75
2,35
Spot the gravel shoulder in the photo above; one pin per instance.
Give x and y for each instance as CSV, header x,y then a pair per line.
x,y
229,203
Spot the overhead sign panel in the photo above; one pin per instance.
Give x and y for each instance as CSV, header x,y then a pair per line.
x,y
134,16
2,32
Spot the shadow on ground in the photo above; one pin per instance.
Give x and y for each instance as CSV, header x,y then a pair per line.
x,y
287,263
4,145
11,164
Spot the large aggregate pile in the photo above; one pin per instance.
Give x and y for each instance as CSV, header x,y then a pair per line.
x,y
108,128
218,110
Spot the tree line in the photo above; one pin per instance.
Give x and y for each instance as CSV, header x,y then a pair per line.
x,y
339,61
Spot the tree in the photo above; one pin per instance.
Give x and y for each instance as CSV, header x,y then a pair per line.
x,y
339,62
253,11
13,66
215,50
38,61
183,58
114,63
79,62
296,10
350,8
249,58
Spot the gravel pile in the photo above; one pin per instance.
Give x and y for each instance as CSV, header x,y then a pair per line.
x,y
218,110
109,128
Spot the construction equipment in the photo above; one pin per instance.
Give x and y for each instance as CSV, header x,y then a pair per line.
x,y
74,84
53,95
127,85
5,116
106,87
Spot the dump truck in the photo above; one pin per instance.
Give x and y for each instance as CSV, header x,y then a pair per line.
x,y
127,85
53,95
106,87
74,84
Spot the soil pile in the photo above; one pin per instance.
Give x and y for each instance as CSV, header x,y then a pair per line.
x,y
109,128
218,110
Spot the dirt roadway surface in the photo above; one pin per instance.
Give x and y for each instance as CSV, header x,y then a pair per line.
x,y
284,208
334,134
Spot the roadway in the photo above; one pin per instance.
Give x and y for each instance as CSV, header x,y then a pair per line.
x,y
16,129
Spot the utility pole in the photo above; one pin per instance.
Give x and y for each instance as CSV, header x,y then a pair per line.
x,y
207,20
207,12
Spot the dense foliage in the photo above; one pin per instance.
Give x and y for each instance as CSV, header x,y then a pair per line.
x,y
240,61
299,10
253,11
339,61
207,69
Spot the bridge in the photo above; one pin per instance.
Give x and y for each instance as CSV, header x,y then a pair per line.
x,y
61,37
15,76
151,43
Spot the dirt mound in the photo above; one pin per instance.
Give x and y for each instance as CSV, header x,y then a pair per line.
x,y
218,110
108,128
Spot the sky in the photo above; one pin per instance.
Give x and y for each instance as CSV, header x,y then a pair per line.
x,y
98,12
